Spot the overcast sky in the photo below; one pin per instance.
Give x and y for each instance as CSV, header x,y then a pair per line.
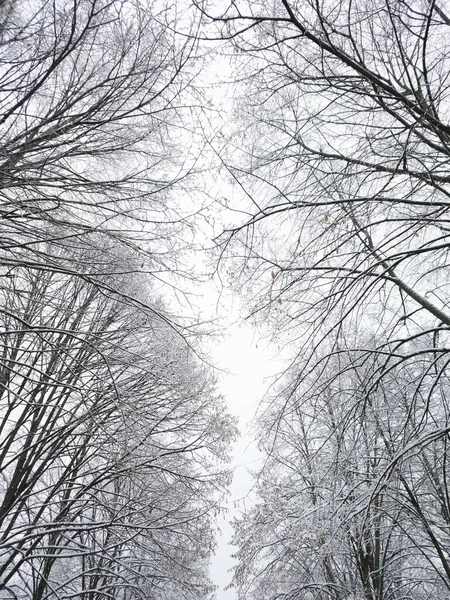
x,y
248,360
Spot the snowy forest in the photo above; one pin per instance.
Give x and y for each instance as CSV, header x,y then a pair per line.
x,y
293,154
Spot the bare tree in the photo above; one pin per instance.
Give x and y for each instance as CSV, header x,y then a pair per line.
x,y
112,436
352,494
111,442
91,103
342,174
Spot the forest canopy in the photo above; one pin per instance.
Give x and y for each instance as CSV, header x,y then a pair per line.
x,y
327,159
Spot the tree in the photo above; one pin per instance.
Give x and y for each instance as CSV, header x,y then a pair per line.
x,y
112,439
112,436
343,166
351,506
92,97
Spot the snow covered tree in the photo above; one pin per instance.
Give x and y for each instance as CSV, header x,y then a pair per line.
x,y
112,436
353,494
340,163
92,102
112,441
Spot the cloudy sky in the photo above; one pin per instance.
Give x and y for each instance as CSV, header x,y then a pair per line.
x,y
249,362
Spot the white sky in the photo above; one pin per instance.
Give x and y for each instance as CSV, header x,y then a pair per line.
x,y
246,360
249,363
